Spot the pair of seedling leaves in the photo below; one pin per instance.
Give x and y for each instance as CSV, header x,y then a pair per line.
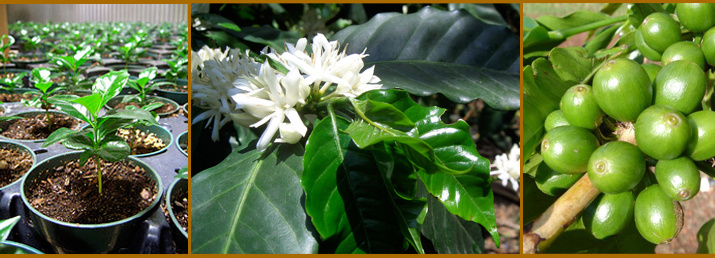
x,y
99,139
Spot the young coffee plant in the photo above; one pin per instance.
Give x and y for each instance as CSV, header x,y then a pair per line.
x,y
43,82
99,139
73,65
144,85
333,149
10,84
4,46
616,131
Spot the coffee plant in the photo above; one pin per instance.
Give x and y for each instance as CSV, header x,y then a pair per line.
x,y
331,148
617,130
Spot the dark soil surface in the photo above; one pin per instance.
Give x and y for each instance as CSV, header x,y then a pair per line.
x,y
35,127
141,142
28,58
13,165
507,216
70,192
166,108
14,97
7,75
179,88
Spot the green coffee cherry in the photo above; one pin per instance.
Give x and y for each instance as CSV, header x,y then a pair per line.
x,y
696,17
652,70
684,50
708,46
658,218
680,85
662,132
702,139
566,149
555,119
554,183
616,167
679,178
622,89
580,108
660,31
609,214
646,50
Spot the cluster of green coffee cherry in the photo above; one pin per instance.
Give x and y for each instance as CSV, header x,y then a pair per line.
x,y
672,131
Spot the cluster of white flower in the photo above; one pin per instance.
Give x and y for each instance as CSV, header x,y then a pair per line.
x,y
232,86
507,167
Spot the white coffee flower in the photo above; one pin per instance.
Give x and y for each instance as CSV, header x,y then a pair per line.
x,y
213,83
507,167
274,100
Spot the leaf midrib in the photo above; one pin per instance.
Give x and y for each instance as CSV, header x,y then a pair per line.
x,y
241,202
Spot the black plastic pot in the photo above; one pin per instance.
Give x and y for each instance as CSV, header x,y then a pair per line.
x,y
85,238
180,97
181,237
183,140
17,147
118,99
23,64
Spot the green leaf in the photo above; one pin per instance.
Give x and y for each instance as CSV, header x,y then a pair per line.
x,y
535,202
572,63
454,54
113,148
431,144
269,36
58,135
450,234
43,86
251,203
706,241
409,210
110,84
41,75
601,40
148,74
468,196
345,194
74,109
575,19
91,102
230,26
484,12
460,83
6,226
79,140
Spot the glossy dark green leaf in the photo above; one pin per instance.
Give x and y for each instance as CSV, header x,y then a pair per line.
x,y
222,38
251,203
346,196
6,226
706,238
601,39
434,51
58,135
400,180
431,144
575,19
484,12
113,148
468,196
450,234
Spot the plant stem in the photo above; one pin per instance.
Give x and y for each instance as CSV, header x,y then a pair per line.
x,y
565,33
362,115
98,162
563,212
